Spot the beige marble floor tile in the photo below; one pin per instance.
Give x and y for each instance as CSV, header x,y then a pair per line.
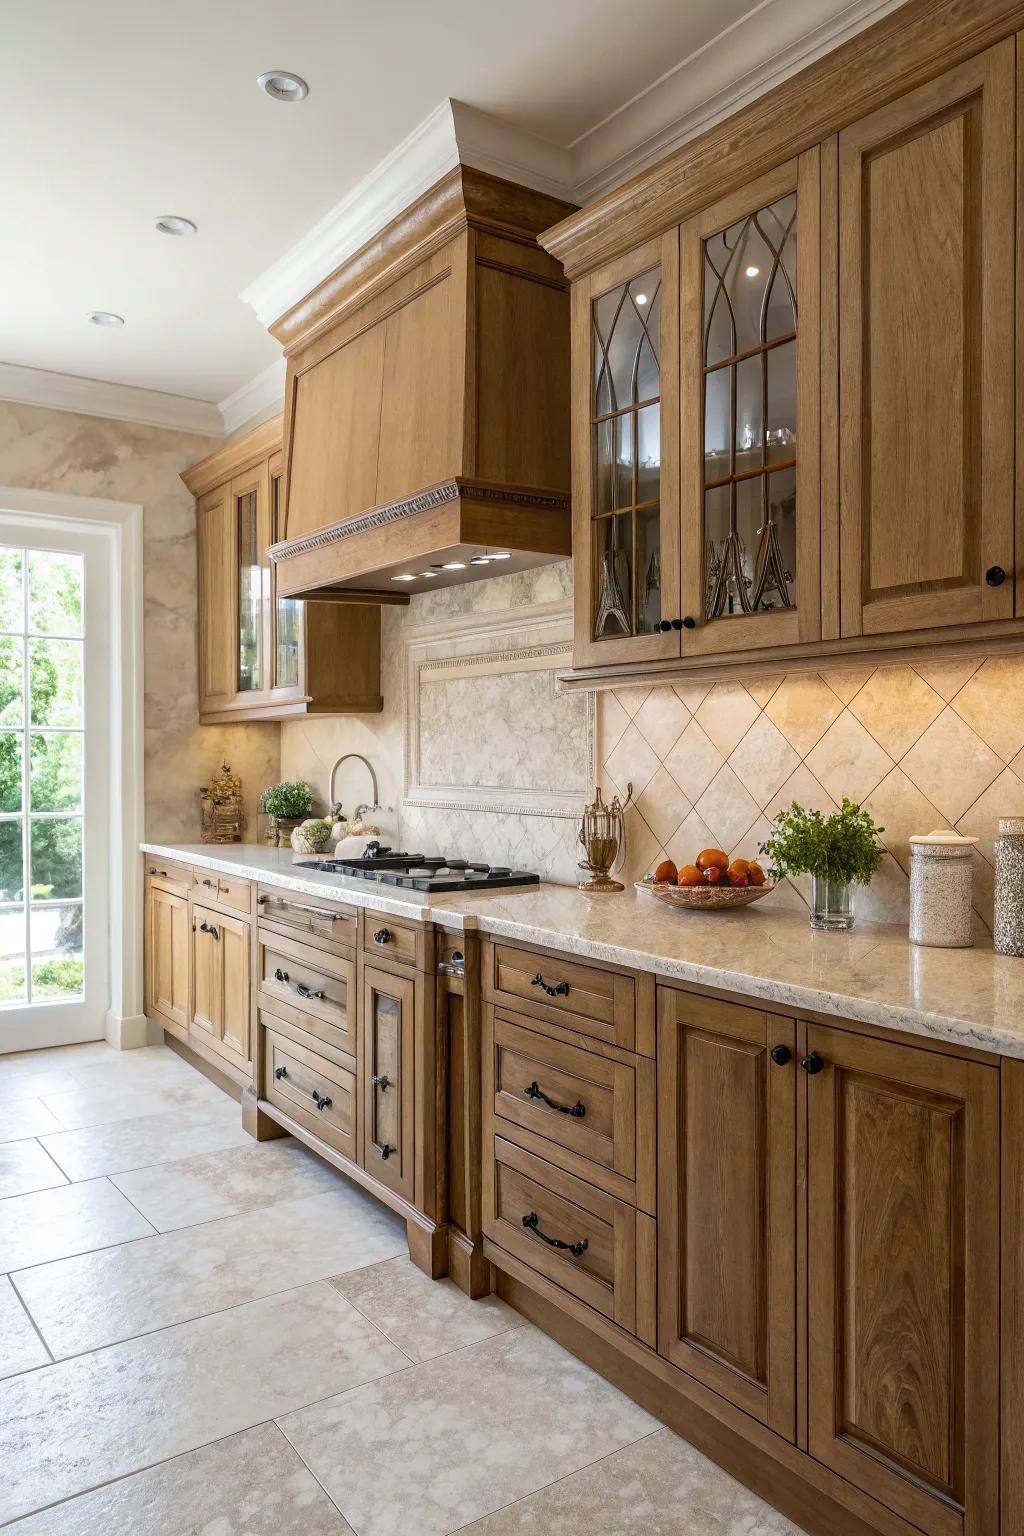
x,y
251,1484
659,1487
26,1081
21,1348
424,1317
80,1423
131,1100
142,1143
150,1064
459,1437
228,1183
25,1166
54,1223
20,1118
97,1299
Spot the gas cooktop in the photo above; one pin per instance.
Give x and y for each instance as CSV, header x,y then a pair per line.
x,y
417,872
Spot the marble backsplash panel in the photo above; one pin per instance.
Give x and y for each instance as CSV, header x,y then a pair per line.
x,y
940,744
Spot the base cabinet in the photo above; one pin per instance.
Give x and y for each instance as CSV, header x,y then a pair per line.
x,y
167,957
388,1023
222,1000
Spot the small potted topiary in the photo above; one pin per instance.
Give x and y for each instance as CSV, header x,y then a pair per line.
x,y
286,804
837,851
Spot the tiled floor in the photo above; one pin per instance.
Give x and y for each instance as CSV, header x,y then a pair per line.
x,y
199,1334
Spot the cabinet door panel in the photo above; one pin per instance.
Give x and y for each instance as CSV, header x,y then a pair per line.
x,y
235,942
168,946
726,1202
335,433
207,973
903,1268
218,600
420,419
926,300
388,1021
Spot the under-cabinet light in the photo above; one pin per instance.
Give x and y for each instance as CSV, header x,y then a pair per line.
x,y
455,565
406,577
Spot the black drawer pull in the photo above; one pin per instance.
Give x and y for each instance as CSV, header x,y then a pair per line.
x,y
386,1151
560,989
812,1064
162,872
205,927
382,936
280,1072
280,975
380,1082
577,1110
533,1222
211,884
305,991
321,1100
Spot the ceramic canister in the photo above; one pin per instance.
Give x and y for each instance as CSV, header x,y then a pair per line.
x,y
941,890
1008,930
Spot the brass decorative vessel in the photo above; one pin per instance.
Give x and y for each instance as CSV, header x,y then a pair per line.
x,y
602,837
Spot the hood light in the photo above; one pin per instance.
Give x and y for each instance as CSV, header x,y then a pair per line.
x,y
282,85
480,560
503,555
455,565
406,577
426,574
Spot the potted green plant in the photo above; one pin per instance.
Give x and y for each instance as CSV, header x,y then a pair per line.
x,y
286,804
837,851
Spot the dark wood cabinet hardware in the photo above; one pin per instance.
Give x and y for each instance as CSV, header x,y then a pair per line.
x,y
559,989
577,1110
532,1222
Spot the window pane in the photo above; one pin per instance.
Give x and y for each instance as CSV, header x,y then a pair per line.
x,y
10,770
55,682
55,771
613,541
12,658
12,955
54,592
56,943
11,608
56,858
12,876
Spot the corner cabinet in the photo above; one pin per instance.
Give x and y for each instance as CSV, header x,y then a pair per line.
x,y
262,655
793,429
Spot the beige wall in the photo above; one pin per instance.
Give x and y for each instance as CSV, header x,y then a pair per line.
x,y
91,456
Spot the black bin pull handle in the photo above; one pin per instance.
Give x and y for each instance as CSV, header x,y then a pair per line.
x,y
280,975
386,1151
533,1222
205,927
560,988
305,991
321,1100
577,1110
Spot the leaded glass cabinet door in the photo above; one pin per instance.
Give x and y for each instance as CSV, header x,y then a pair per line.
x,y
625,501
287,647
250,495
750,415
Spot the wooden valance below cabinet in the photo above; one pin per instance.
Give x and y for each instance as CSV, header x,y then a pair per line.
x,y
793,405
264,655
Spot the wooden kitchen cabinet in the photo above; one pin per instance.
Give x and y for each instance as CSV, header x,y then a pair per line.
x,y
727,1086
388,1026
903,1276
264,655
167,942
221,996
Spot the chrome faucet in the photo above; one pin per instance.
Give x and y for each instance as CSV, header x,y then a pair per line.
x,y
360,809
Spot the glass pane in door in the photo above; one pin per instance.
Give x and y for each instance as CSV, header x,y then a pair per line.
x,y
41,772
250,584
287,614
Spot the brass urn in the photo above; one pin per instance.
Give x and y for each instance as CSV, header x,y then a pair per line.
x,y
602,837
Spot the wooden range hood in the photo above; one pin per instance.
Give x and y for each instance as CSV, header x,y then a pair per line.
x,y
427,402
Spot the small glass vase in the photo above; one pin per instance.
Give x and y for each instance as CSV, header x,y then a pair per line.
x,y
831,904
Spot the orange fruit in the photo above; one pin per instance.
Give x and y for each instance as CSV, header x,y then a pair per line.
x,y
739,867
755,874
666,873
690,875
712,858
738,877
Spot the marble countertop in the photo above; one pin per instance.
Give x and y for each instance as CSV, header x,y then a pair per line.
x,y
874,975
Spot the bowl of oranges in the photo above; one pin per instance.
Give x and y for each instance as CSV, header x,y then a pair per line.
x,y
712,883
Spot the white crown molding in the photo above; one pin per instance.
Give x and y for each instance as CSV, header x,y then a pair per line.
x,y
261,398
118,402
773,41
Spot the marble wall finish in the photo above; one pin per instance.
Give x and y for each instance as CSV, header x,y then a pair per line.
x,y
49,450
940,744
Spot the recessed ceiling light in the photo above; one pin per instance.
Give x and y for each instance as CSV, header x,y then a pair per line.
x,y
641,298
455,565
174,224
107,318
403,578
753,271
282,85
503,555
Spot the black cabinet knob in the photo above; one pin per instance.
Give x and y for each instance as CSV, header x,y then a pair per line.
x,y
665,626
280,1072
781,1054
280,975
995,575
677,623
386,1151
689,623
380,1080
812,1064
321,1100
382,936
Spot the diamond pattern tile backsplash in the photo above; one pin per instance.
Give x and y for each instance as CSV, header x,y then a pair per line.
x,y
940,744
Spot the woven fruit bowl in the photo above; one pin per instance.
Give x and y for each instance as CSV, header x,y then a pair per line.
x,y
704,898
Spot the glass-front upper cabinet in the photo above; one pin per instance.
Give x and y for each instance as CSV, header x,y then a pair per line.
x,y
626,530
286,612
750,412
250,496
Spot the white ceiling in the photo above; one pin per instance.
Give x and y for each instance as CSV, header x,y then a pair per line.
x,y
118,111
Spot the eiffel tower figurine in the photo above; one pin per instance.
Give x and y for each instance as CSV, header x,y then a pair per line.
x,y
611,599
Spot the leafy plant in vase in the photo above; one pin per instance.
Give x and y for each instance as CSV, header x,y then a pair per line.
x,y
837,851
286,804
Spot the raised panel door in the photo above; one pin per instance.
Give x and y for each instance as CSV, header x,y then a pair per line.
x,y
168,936
903,1255
926,318
218,600
727,1201
236,948
388,1022
420,418
207,973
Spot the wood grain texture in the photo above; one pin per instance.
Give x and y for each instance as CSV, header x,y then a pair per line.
x,y
1012,1300
217,599
387,1027
284,964
168,944
599,1001
318,1094
235,457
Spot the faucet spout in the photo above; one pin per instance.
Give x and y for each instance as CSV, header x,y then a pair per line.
x,y
376,806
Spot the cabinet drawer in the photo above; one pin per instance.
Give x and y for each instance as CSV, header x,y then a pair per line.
x,y
234,893
582,1110
597,1002
168,876
317,1093
578,1236
322,922
393,938
316,990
